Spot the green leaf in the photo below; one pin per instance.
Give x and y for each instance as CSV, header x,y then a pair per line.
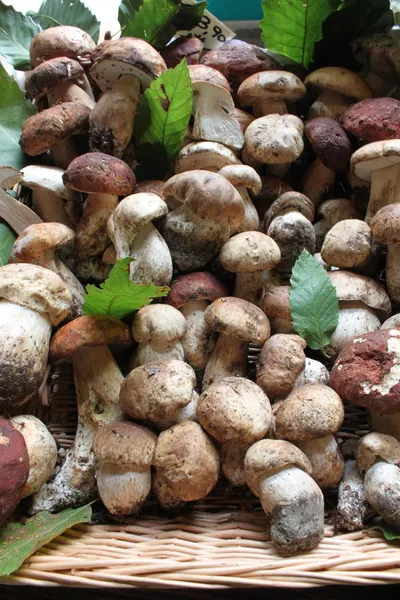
x,y
7,239
189,15
152,18
19,541
390,532
118,296
14,109
314,304
292,27
53,12
16,33
127,10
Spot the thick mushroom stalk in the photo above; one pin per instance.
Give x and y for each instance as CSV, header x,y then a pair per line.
x,y
386,230
133,234
97,381
245,178
352,505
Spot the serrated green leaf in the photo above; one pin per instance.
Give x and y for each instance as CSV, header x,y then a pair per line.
x,y
127,10
53,12
118,296
16,33
151,19
292,27
314,303
19,541
14,109
7,239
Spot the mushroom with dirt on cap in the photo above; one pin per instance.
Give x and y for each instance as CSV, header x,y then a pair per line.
x,y
373,119
268,91
330,143
14,468
347,244
275,139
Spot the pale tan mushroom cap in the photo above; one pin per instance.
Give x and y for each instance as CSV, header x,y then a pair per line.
x,y
125,445
281,85
392,322
281,360
338,209
385,224
210,156
36,288
249,252
267,457
351,286
276,302
243,176
239,319
375,446
275,139
287,202
310,411
374,156
158,324
234,408
347,244
37,239
339,80
201,74
134,212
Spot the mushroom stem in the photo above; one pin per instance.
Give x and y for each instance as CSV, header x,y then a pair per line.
x,y
69,91
228,359
63,153
152,260
382,490
352,506
385,184
199,339
392,271
270,106
317,182
50,207
251,220
250,287
121,489
91,234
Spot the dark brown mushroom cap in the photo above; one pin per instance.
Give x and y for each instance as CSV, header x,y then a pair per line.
x,y
203,74
37,239
195,286
89,331
379,52
239,319
52,126
96,172
385,225
65,40
373,119
125,445
47,75
189,48
14,467
330,143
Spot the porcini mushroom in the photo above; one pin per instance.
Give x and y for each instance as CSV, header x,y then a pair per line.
x,y
347,244
275,139
65,40
268,91
180,48
244,178
281,360
352,506
14,468
330,143
373,119
208,156
385,227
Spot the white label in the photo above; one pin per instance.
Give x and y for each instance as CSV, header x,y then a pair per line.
x,y
212,32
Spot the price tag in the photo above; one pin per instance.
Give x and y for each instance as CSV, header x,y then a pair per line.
x,y
212,32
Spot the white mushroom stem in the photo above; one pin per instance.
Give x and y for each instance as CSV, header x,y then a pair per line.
x,y
352,505
70,91
50,207
146,353
251,220
385,184
152,259
199,339
97,381
382,490
250,287
325,458
270,106
228,359
392,271
122,491
91,234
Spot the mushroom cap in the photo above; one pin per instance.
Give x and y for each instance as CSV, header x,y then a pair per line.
x,y
340,80
276,302
65,40
310,411
96,172
392,323
330,143
14,467
243,118
367,372
157,390
158,324
126,56
314,372
293,233
243,176
88,332
347,244
249,252
48,75
288,202
376,155
355,319
385,225
37,239
377,446
326,460
352,286
41,177
338,209
373,119
329,104
186,461
189,48
36,288
281,360
275,139
239,319
266,457
234,408
379,52
201,74
195,286
152,186
197,190
126,445
210,156
281,85
52,126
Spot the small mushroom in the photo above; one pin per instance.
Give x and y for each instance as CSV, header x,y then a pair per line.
x,y
180,48
244,178
347,244
14,468
275,139
65,40
232,455
379,53
373,119
385,227
352,507
268,91
208,156
330,143
313,372
281,360
318,181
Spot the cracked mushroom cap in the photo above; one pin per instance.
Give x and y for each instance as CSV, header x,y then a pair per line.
x,y
347,244
289,202
239,319
385,225
367,372
48,75
373,119
280,85
66,41
376,155
376,446
189,48
88,332
339,80
234,408
338,209
37,239
194,286
160,325
124,444
36,288
14,467
249,252
186,463
281,360
354,287
243,176
330,143
52,126
275,139
310,411
126,56
96,172
209,156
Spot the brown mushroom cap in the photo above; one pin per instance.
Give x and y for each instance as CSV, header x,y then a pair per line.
x,y
37,239
52,126
158,324
340,80
125,445
232,454
249,252
86,332
65,40
377,446
234,408
242,176
276,302
287,202
354,287
275,139
330,143
210,156
152,186
347,244
310,411
48,75
376,155
338,209
243,118
239,319
373,119
194,286
281,360
385,225
189,48
281,85
201,74
96,172
14,467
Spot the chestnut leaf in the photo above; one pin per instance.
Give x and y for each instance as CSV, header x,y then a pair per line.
x,y
16,33
53,12
314,304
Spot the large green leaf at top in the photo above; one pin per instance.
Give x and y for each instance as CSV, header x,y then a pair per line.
x,y
14,109
16,33
292,27
53,12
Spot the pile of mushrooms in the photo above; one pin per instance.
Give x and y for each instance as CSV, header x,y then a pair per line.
x,y
167,401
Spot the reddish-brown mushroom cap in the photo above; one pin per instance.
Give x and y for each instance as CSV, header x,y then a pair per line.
x,y
373,119
51,73
65,40
330,143
189,48
96,172
14,467
195,286
89,331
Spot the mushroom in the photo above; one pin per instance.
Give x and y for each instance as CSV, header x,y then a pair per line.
x,y
122,69
352,507
268,91
131,229
314,372
208,156
330,105
124,454
249,255
279,474
186,463
159,329
272,188
33,299
65,40
103,178
385,227
16,214
281,360
276,306
42,451
373,119
379,53
232,455
330,143
180,48
318,181
347,244
238,323
354,287
275,139
97,382
244,178
243,118
332,212
14,468
378,458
